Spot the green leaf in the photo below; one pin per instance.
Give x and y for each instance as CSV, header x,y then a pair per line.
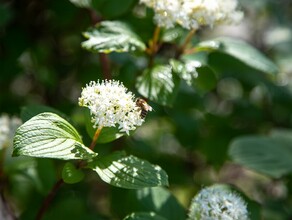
x,y
106,135
30,111
242,51
154,199
70,174
267,155
112,36
172,34
82,3
197,75
159,84
206,80
5,14
48,135
144,216
128,171
110,9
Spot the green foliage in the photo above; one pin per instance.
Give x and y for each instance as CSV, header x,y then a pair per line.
x,y
222,107
128,172
242,51
159,84
157,199
268,155
195,73
70,174
29,111
112,36
48,135
143,216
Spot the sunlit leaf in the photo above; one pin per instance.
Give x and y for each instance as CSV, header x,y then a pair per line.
x,y
112,36
159,84
144,216
267,155
128,171
242,51
48,135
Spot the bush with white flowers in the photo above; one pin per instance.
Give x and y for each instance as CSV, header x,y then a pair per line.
x,y
151,49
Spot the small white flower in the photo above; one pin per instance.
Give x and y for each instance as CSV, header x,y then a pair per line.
x,y
218,202
8,127
111,105
191,14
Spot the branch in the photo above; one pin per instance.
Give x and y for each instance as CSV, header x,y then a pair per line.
x,y
49,199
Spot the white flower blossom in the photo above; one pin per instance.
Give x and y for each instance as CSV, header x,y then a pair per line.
x,y
111,105
8,127
218,203
191,14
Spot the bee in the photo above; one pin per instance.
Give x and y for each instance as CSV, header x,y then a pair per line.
x,y
143,105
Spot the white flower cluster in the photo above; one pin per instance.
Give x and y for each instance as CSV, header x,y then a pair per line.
x,y
8,127
191,14
218,203
110,105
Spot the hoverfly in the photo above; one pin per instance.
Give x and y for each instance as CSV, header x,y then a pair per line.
x,y
143,105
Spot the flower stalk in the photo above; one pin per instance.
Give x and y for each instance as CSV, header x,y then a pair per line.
x,y
153,46
183,47
95,137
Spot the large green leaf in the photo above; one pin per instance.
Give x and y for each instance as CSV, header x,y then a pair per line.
x,y
268,155
112,36
159,84
49,135
242,51
128,171
144,216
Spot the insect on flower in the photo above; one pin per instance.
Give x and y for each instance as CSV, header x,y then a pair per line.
x,y
143,105
111,104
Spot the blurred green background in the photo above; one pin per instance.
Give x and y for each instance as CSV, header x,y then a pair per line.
x,y
42,62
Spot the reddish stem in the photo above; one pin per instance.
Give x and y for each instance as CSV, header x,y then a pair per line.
x,y
105,65
49,199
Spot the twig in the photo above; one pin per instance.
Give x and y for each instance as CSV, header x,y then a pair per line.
x,y
49,199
